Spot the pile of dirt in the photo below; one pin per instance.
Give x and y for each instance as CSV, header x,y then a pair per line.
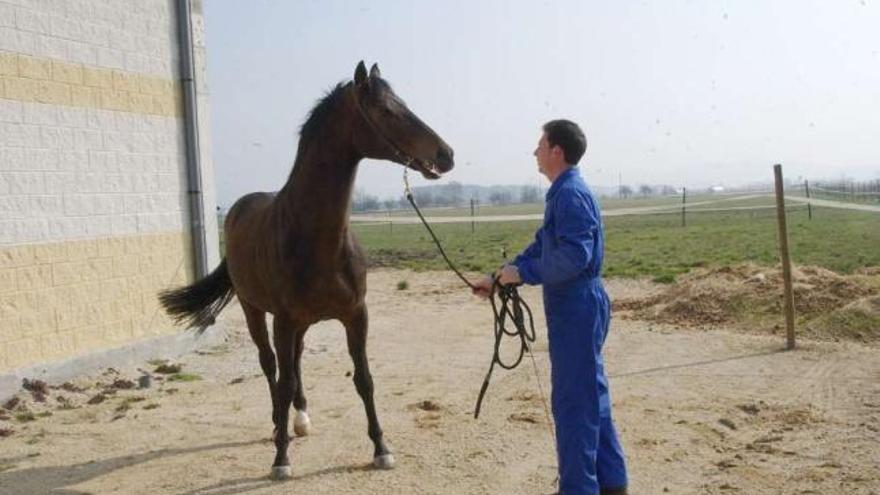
x,y
828,306
858,320
37,400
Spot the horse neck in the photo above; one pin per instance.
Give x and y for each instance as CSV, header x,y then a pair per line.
x,y
316,199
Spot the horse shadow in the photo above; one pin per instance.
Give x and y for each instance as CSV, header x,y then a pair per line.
x,y
243,485
57,480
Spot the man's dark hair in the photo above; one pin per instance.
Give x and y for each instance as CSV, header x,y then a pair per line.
x,y
568,136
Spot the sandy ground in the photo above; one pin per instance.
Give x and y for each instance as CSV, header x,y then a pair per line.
x,y
700,412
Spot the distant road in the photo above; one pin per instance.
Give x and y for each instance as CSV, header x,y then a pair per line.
x,y
834,204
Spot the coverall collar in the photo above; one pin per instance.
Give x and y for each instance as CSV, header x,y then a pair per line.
x,y
564,177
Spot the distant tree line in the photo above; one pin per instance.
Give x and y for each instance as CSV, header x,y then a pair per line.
x,y
456,194
450,195
646,190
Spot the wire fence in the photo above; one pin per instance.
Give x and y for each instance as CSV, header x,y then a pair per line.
x,y
833,226
682,208
799,197
850,191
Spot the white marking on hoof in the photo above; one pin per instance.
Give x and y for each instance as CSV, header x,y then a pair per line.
x,y
281,473
301,424
385,461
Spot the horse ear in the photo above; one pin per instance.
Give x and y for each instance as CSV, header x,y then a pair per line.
x,y
360,74
374,71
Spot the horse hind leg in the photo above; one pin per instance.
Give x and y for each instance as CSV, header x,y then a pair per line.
x,y
301,424
256,323
356,337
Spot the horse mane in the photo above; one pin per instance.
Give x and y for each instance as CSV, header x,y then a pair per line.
x,y
322,107
319,113
318,117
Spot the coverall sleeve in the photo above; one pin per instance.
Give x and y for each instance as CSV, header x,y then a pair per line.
x,y
571,249
532,251
530,258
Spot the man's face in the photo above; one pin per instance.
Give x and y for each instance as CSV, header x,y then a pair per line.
x,y
546,156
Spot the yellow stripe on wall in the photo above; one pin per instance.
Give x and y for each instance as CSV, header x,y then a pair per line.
x,y
32,79
62,299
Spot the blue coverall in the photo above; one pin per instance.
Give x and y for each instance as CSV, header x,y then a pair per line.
x,y
566,258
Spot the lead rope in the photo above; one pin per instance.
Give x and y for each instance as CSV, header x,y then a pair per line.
x,y
512,306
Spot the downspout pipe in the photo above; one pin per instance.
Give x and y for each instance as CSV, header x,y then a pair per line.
x,y
191,124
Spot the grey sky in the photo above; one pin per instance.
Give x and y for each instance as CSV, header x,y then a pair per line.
x,y
675,92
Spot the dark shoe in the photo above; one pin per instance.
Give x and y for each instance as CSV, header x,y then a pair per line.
x,y
608,491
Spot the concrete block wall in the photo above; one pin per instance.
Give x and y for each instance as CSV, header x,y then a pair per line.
x,y
93,201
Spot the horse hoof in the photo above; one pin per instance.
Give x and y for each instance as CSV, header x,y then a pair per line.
x,y
301,424
385,461
281,473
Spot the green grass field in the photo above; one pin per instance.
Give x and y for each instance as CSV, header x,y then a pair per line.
x,y
696,202
531,208
517,209
648,245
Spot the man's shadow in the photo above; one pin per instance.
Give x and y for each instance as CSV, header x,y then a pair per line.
x,y
695,364
58,479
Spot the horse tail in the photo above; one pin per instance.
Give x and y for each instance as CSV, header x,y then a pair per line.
x,y
199,303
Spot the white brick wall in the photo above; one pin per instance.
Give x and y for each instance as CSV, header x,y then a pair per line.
x,y
72,173
64,172
93,186
131,35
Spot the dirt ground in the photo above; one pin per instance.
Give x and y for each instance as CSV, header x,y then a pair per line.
x,y
701,411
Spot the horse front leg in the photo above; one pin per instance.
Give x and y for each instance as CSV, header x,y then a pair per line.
x,y
356,336
284,332
301,423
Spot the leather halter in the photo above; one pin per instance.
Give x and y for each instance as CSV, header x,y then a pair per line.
x,y
406,159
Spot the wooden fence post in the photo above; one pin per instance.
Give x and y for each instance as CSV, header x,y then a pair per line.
x,y
683,202
786,260
809,207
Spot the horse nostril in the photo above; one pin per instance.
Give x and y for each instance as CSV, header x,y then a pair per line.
x,y
444,155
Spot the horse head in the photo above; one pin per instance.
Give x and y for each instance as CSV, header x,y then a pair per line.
x,y
389,130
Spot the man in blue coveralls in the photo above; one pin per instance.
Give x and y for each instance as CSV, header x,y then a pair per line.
x,y
566,258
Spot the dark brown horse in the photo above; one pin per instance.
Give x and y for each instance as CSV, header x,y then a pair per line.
x,y
292,253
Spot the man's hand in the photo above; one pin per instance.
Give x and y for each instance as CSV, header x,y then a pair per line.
x,y
509,274
483,286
